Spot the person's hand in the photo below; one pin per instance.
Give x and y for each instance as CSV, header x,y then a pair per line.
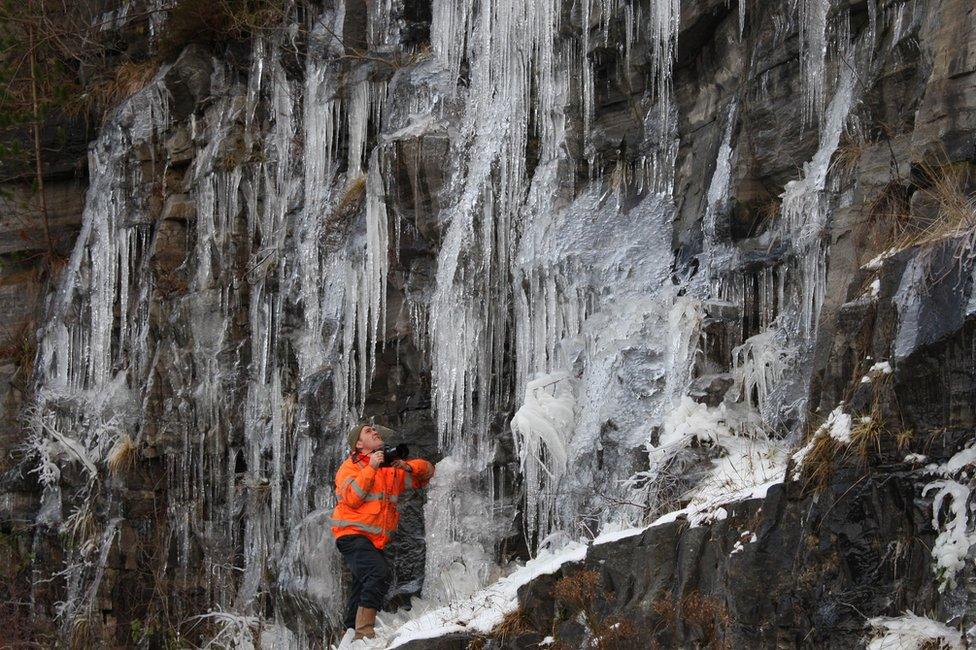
x,y
402,464
376,458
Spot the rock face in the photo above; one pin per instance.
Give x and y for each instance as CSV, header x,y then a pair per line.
x,y
557,244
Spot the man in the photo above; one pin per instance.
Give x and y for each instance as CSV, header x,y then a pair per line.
x,y
365,517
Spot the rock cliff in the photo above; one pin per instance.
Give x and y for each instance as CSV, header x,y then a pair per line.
x,y
601,260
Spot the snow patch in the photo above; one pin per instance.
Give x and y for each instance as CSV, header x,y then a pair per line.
x,y
876,262
838,425
881,367
485,609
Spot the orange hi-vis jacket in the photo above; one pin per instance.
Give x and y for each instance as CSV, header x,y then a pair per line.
x,y
367,497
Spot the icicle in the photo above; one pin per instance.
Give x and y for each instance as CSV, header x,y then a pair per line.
x,y
718,188
375,267
663,26
813,55
448,32
358,117
758,367
542,428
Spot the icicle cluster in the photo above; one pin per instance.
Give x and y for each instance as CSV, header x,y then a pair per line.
x,y
555,299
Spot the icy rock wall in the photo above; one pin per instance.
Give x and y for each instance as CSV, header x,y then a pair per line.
x,y
573,251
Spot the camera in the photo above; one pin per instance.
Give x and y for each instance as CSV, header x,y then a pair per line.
x,y
394,453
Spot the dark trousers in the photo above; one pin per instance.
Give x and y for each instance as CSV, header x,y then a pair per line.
x,y
370,574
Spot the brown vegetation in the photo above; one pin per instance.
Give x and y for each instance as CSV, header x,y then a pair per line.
x,y
705,617
580,593
938,203
217,22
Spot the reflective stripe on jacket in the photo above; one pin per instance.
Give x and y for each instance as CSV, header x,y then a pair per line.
x,y
367,497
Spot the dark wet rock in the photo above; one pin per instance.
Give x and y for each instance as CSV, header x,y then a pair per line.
x,y
788,570
710,390
188,80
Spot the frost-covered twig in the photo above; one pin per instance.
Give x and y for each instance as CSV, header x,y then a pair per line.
x,y
957,534
233,630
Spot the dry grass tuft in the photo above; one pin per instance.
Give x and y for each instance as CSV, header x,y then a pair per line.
x,y
618,632
122,456
945,208
477,643
904,438
866,437
578,590
81,527
848,154
20,345
514,624
581,592
708,614
818,464
945,186
352,197
666,609
119,84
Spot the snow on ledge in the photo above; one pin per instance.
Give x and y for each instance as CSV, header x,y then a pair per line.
x,y
484,610
700,511
487,608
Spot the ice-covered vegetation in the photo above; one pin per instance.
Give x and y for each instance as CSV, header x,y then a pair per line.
x,y
912,632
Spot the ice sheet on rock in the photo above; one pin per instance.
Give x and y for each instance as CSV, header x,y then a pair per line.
x,y
930,295
91,349
804,213
718,187
462,524
594,303
310,569
468,314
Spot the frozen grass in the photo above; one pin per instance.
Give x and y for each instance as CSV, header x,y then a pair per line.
x,y
912,632
122,456
115,86
232,630
745,462
951,211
